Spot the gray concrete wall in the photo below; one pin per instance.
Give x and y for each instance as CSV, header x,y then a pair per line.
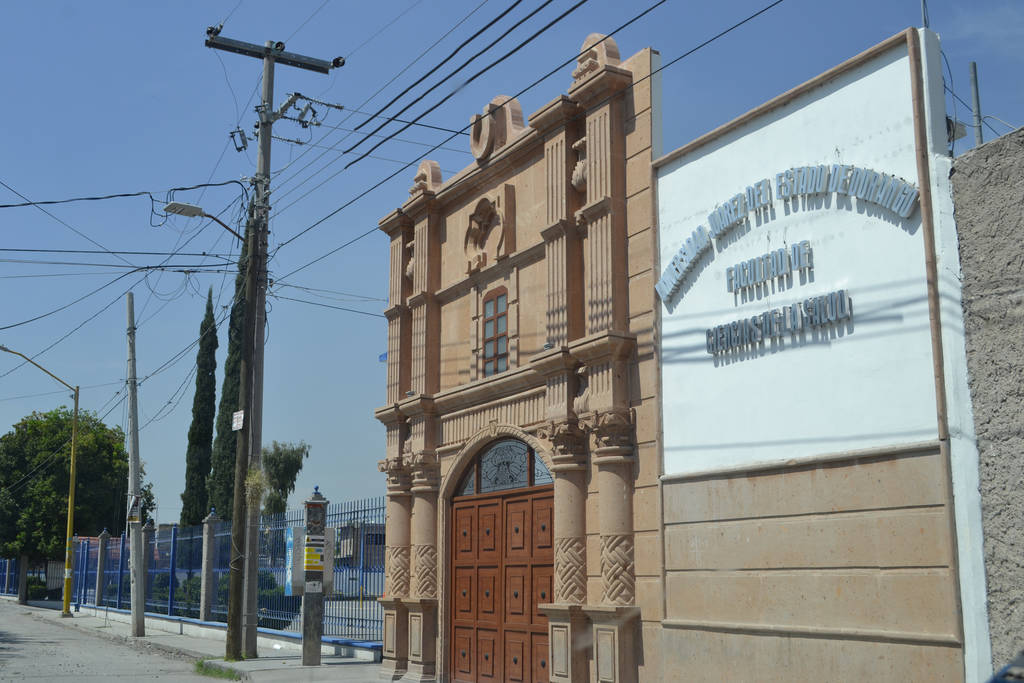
x,y
988,194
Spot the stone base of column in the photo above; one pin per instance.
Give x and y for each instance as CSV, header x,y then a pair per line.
x,y
615,642
569,643
422,639
395,651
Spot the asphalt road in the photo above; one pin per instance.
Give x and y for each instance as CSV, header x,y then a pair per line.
x,y
34,649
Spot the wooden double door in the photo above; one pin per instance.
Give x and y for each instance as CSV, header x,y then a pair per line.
x,y
502,569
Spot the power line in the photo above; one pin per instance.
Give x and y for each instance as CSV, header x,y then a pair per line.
x,y
119,195
472,78
364,103
384,27
674,61
64,223
400,170
341,107
323,305
127,253
444,61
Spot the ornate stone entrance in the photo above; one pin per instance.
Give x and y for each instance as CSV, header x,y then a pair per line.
x,y
502,531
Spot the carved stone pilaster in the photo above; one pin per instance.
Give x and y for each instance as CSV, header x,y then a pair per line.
x,y
397,570
425,576
618,572
571,570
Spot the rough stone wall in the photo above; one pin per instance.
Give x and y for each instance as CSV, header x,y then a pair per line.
x,y
988,191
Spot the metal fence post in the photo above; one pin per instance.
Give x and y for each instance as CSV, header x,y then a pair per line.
x,y
171,570
120,571
147,555
101,566
207,589
83,566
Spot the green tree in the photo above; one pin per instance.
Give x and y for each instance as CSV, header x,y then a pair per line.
x,y
200,434
282,463
35,459
221,485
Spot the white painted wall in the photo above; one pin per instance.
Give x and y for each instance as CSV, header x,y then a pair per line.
x,y
865,384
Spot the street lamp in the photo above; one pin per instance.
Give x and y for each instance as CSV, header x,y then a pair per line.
x,y
193,211
66,611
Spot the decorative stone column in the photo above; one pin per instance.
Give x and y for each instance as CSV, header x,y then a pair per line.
x,y
396,553
568,636
101,565
422,603
207,588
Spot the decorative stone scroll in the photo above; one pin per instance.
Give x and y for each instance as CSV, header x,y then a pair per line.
x,y
598,51
570,570
617,569
579,171
502,121
425,575
427,178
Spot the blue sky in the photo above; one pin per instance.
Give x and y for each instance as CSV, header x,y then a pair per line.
x,y
117,97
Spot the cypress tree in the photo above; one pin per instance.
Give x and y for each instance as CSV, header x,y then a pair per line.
x,y
221,484
200,434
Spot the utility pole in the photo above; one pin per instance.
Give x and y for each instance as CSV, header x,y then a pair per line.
x,y
976,105
137,551
249,444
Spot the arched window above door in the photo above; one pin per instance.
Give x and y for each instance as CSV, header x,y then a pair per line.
x,y
503,465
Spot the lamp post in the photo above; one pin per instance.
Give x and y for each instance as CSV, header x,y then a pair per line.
x,y
66,610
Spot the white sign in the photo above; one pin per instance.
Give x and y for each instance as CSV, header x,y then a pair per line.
x,y
237,418
793,278
314,587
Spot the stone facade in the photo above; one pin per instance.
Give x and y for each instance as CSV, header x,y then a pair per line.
x,y
987,187
556,215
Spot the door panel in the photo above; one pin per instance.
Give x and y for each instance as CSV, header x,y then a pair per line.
x,y
517,595
462,656
488,666
464,607
543,516
489,531
502,569
517,656
540,658
543,584
464,536
488,599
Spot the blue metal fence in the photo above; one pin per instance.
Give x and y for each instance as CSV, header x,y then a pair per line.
x,y
174,557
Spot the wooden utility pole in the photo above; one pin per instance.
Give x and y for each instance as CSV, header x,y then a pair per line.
x,y
245,532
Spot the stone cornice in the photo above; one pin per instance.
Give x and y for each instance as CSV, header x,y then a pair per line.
x,y
420,298
556,230
554,114
394,221
389,415
613,344
602,83
392,312
423,201
553,361
594,209
489,389
421,405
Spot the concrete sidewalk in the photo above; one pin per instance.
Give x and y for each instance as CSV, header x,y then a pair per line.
x,y
280,659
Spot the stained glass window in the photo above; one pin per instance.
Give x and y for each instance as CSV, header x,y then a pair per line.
x,y
505,464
